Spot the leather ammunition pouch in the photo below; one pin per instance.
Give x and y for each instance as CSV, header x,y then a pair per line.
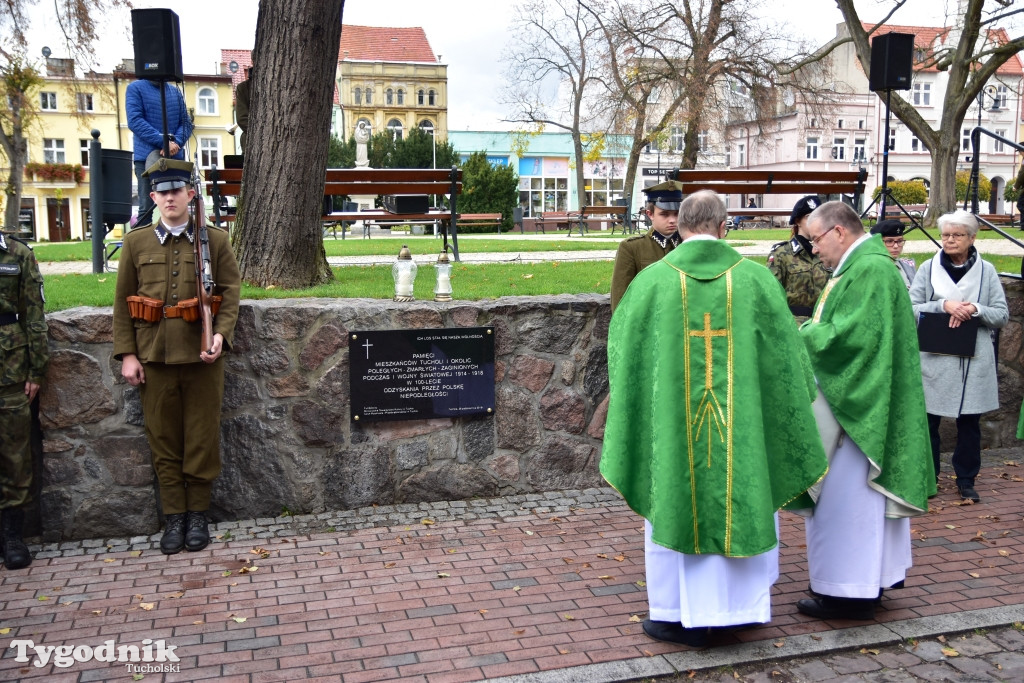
x,y
153,310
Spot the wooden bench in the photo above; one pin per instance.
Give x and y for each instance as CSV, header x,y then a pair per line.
x,y
730,182
552,218
480,220
588,215
349,182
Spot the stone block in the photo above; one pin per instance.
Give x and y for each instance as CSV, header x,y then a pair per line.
x,y
562,410
294,384
322,344
449,481
74,392
515,420
563,463
358,476
116,513
127,459
530,372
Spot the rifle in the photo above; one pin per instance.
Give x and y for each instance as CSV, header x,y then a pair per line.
x,y
204,276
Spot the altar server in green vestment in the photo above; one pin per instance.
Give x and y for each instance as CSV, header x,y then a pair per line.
x,y
710,429
862,341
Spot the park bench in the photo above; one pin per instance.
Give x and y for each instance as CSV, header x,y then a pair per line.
x,y
826,184
349,182
553,219
589,215
480,220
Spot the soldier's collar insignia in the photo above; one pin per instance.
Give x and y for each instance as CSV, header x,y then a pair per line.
x,y
161,234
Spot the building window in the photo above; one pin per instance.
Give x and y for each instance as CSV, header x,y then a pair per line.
x,y
811,150
915,144
922,95
859,149
53,151
389,96
84,101
997,144
209,152
431,98
652,97
602,190
860,124
741,154
401,96
85,152
369,95
542,192
427,126
420,94
965,140
48,101
839,123
702,141
675,139
1002,93
395,126
839,149
892,140
359,95
207,102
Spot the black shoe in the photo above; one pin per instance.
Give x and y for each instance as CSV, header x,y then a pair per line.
x,y
174,534
967,492
827,607
198,535
674,632
16,554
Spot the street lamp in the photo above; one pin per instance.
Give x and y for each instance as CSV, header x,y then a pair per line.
x,y
993,92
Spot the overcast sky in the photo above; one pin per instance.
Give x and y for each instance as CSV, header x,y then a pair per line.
x,y
470,36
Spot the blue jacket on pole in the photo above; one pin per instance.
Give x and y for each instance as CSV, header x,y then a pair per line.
x,y
145,120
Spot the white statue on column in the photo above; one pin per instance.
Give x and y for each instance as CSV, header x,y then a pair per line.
x,y
362,136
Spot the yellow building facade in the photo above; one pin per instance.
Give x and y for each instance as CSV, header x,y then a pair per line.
x,y
55,200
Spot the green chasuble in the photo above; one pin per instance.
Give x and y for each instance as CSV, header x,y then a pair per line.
x,y
709,427
862,340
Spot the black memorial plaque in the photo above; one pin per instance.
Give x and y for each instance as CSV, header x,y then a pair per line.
x,y
421,374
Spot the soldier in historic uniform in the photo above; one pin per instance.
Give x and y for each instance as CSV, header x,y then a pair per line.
x,y
180,384
800,271
638,252
25,357
892,231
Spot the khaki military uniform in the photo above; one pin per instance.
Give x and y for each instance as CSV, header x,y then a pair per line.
x,y
635,254
25,358
801,273
181,397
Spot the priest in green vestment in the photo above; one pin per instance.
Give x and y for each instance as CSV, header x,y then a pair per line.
x,y
710,429
862,342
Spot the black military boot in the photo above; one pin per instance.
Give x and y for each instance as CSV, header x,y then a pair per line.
x,y
16,554
174,534
198,535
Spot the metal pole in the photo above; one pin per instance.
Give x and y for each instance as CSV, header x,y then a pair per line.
x,y
885,159
96,201
976,161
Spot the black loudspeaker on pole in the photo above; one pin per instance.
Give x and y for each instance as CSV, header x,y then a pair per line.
x,y
892,62
157,41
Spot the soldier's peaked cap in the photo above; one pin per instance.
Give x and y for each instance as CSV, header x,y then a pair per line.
x,y
667,195
168,174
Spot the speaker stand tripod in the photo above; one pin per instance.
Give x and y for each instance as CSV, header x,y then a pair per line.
x,y
885,197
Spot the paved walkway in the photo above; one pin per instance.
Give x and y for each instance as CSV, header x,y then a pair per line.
x,y
523,589
466,254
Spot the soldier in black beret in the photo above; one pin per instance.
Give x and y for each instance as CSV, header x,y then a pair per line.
x,y
892,231
795,266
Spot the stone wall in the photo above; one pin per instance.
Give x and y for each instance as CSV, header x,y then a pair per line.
x,y
287,440
286,437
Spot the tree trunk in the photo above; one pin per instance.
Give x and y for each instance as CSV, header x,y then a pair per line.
x,y
278,236
942,194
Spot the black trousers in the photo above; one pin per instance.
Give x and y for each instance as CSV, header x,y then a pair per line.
x,y
967,454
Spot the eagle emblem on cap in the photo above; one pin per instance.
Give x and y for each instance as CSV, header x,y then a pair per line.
x,y
161,165
813,203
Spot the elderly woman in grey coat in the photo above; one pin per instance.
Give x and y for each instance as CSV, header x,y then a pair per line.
x,y
958,282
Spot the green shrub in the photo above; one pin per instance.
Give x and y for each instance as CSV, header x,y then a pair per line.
x,y
906,191
984,186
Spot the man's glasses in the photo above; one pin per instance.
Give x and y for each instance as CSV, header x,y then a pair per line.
x,y
894,242
818,238
953,235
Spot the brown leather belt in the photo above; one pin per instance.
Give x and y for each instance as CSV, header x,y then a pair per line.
x,y
173,311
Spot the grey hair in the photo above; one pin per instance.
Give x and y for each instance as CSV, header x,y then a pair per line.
x,y
964,219
838,213
702,212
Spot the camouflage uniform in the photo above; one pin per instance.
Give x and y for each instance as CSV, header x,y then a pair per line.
x,y
801,273
635,254
25,358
